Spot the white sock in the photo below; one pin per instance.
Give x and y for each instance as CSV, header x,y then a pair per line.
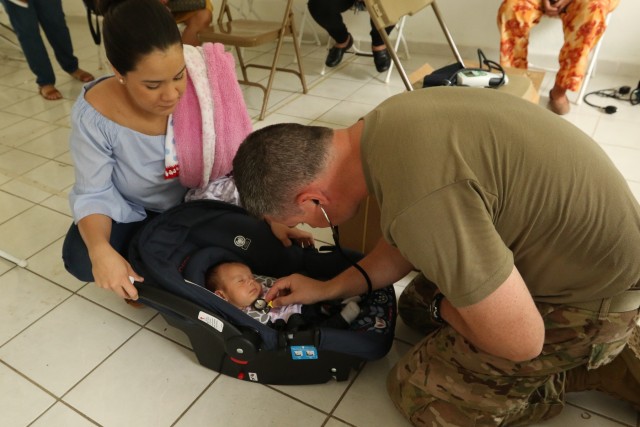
x,y
350,311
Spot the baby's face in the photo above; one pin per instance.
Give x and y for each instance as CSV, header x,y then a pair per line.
x,y
240,287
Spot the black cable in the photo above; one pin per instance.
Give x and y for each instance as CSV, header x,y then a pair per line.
x,y
335,233
623,93
336,237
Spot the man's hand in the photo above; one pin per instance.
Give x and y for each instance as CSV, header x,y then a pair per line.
x,y
111,271
285,234
298,289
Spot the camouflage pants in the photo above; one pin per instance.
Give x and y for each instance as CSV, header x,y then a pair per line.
x,y
445,381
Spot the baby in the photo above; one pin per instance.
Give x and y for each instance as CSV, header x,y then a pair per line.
x,y
235,283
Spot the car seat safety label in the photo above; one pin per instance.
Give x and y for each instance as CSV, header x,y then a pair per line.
x,y
211,321
303,352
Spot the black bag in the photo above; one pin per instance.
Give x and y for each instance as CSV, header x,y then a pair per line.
x,y
448,75
444,76
185,5
94,25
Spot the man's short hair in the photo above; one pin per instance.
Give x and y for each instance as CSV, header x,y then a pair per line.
x,y
274,163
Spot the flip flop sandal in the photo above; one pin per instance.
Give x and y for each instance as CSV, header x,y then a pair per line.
x,y
50,93
82,76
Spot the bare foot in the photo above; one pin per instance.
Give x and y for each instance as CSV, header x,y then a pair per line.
x,y
558,101
82,76
50,93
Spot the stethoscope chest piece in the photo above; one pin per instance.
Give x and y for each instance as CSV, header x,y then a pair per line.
x,y
261,305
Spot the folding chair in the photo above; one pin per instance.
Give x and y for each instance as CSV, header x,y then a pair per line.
x,y
303,20
389,12
241,33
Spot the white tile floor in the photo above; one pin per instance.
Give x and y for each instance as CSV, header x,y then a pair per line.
x,y
74,355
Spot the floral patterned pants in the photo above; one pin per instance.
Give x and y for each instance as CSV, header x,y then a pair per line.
x,y
583,23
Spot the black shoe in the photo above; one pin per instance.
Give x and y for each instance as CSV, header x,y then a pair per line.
x,y
382,60
335,53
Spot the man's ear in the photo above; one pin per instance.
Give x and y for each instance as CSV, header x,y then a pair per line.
x,y
310,196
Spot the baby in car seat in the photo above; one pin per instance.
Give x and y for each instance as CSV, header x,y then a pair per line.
x,y
235,283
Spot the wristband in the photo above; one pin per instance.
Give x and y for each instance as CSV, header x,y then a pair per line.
x,y
434,307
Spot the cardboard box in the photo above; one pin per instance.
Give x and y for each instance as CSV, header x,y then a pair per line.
x,y
524,84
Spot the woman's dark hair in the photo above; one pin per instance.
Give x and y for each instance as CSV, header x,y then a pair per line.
x,y
135,28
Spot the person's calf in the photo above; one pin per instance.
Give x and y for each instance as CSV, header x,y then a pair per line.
x,y
196,23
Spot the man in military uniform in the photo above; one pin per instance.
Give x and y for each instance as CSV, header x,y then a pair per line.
x,y
526,236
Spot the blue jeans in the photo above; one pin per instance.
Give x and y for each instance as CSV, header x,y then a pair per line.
x,y
26,23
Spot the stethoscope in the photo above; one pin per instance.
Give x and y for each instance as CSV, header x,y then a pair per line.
x,y
265,306
336,240
262,305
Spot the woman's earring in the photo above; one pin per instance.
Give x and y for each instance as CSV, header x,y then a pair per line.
x,y
121,80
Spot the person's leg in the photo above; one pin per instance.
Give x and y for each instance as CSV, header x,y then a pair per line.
x,y
445,380
583,23
328,14
52,19
195,22
620,378
515,20
376,38
25,24
76,257
381,57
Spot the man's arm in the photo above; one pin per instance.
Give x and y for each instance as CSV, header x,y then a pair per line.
x,y
506,323
384,265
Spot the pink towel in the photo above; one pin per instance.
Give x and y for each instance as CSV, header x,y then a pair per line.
x,y
187,131
231,120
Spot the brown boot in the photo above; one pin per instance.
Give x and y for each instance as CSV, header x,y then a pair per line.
x,y
413,305
620,378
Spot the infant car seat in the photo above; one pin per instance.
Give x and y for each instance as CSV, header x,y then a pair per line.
x,y
174,250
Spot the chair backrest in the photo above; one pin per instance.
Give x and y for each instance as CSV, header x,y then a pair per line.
x,y
391,11
225,10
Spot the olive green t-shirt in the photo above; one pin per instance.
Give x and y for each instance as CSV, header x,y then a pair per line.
x,y
471,181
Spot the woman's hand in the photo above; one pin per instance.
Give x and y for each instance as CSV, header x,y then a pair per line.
x,y
111,271
554,8
298,289
287,234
